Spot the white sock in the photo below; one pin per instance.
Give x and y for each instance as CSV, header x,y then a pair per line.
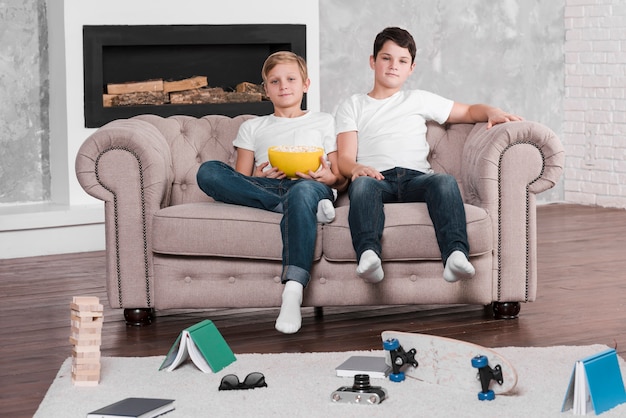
x,y
370,267
289,320
458,267
325,211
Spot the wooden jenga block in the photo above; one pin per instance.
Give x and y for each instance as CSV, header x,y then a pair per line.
x,y
85,383
86,330
80,341
86,300
86,369
83,323
86,313
82,358
81,380
97,308
86,351
79,361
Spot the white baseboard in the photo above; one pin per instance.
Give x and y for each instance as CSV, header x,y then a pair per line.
x,y
47,229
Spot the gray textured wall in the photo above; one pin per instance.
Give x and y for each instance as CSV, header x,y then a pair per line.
x,y
507,53
24,131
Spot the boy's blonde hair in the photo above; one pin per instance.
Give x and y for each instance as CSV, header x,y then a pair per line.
x,y
284,57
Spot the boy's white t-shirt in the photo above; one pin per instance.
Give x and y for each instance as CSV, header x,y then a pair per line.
x,y
392,131
312,128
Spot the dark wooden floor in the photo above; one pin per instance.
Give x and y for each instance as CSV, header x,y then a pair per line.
x,y
581,300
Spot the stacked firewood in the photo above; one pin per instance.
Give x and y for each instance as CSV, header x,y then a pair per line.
x,y
194,90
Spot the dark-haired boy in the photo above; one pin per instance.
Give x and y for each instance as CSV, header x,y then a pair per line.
x,y
382,147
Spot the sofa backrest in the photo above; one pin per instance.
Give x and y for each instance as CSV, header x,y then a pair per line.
x,y
195,140
446,148
192,141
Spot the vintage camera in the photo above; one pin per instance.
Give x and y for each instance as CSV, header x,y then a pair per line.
x,y
360,392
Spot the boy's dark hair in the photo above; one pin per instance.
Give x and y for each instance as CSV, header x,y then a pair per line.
x,y
399,36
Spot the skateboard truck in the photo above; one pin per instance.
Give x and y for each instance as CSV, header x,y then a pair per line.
x,y
487,374
399,358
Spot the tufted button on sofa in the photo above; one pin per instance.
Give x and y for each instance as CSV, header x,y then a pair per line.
x,y
169,246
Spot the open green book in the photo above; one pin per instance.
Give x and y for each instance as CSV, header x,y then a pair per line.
x,y
204,344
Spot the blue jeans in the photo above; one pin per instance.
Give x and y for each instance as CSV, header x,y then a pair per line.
x,y
439,191
296,199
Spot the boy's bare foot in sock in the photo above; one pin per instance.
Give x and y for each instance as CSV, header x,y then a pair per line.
x,y
458,267
325,211
370,268
289,320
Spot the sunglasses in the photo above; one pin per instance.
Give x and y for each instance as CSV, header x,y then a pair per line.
x,y
253,380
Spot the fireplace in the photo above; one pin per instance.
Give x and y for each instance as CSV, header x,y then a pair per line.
x,y
226,54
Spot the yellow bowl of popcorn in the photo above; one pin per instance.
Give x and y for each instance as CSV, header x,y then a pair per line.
x,y
295,158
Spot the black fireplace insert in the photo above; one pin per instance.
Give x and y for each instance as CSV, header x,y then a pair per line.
x,y
226,54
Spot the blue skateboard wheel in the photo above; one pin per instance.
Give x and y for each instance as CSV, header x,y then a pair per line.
x,y
486,396
396,377
391,344
479,361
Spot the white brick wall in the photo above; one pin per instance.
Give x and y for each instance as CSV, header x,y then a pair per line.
x,y
594,128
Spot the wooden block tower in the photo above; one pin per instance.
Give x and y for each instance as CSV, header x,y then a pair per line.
x,y
86,337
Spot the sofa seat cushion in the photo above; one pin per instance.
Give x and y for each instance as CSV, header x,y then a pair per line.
x,y
220,230
408,235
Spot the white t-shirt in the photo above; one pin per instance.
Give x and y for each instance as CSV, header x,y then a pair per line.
x,y
392,131
312,128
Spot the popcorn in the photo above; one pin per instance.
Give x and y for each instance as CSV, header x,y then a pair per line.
x,y
296,148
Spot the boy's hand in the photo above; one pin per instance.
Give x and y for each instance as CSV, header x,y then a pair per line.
x,y
323,174
497,116
272,173
361,170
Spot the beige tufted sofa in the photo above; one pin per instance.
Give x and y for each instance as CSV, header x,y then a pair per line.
x,y
169,246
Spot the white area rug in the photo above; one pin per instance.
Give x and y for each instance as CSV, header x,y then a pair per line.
x,y
300,385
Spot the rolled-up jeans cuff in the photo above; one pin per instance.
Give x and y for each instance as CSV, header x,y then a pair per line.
x,y
295,273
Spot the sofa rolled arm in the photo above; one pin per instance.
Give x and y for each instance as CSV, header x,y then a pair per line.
x,y
487,153
133,136
502,171
127,164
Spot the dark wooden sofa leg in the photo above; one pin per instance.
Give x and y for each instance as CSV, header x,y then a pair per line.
x,y
139,316
505,310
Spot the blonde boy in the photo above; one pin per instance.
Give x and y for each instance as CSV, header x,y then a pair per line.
x,y
255,183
